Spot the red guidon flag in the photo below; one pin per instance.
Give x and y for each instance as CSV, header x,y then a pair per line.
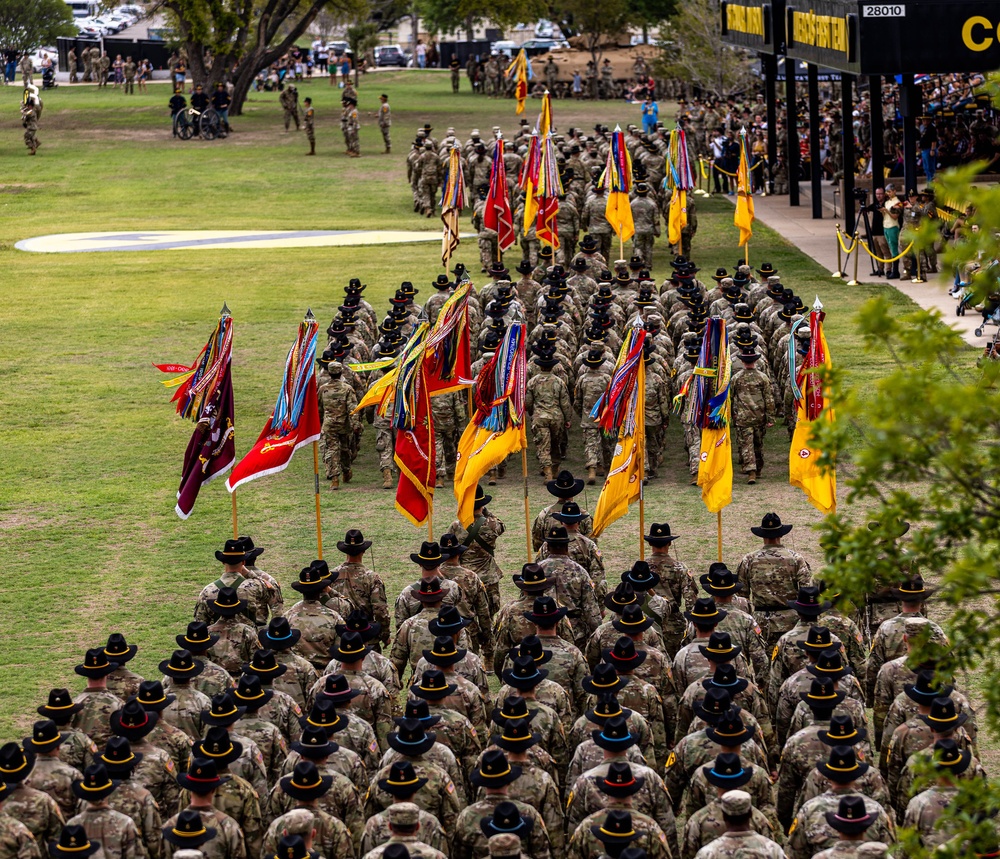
x,y
295,419
415,454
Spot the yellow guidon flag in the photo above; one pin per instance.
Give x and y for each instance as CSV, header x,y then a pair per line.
x,y
812,405
677,218
621,414
679,180
617,178
497,427
744,217
715,468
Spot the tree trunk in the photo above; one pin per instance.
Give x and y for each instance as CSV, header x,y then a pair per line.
x,y
241,86
468,29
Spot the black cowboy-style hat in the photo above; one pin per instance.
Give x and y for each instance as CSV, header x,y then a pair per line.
x,y
767,270
427,592
556,535
354,543
224,710
605,679
542,360
350,647
16,763
417,708
118,757
294,846
579,264
227,603
442,282
410,738
632,620
720,273
401,781
851,816
726,679
623,655
451,547
45,737
842,732
570,513
923,691
818,639
96,664
506,820
250,693
444,653
720,581
516,736
617,828
545,612
564,486
481,499
524,266
524,673
312,581
513,707
279,635
713,705
218,747
830,664
892,526
429,557
614,735
531,645
73,843
498,269
704,613
589,244
119,650
305,783
60,707
448,621
152,696
593,358
843,766
202,777
727,771
808,603
337,691
533,579
728,728
948,757
607,707
619,781
133,722
821,694
315,743
944,716
197,639
912,590
641,577
771,527
264,664
432,686
233,553
659,535
181,666
252,552
546,253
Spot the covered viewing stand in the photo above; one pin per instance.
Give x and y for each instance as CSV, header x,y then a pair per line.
x,y
854,37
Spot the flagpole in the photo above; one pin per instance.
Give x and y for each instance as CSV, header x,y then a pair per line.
x,y
236,528
430,519
718,521
527,505
642,511
319,521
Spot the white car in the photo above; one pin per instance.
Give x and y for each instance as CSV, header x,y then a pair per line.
x,y
505,48
38,58
134,11
105,25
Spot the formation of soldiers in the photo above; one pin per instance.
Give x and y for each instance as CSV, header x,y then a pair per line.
x,y
732,702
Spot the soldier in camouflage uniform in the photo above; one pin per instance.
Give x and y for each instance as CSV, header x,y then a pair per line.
x,y
36,810
429,559
122,682
166,736
156,772
327,793
925,809
646,217
566,488
76,749
771,576
337,402
590,387
741,836
201,817
564,661
318,829
292,676
98,703
582,550
417,633
547,402
481,538
49,774
474,595
402,786
405,835
316,621
573,586
708,824
237,641
811,831
211,678
709,647
430,170
16,839
119,837
753,413
251,695
350,124
184,712
675,586
131,798
251,590
512,623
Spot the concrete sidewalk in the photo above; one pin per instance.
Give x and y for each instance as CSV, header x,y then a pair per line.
x,y
817,239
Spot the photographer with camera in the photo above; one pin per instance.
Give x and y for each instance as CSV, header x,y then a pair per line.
x,y
879,244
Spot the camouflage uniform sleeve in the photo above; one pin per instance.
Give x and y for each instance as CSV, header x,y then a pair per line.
x,y
675,776
798,845
400,654
169,791
759,659
131,845
253,825
685,716
564,404
152,826
882,699
380,607
484,623
590,611
250,644
692,839
789,785
201,612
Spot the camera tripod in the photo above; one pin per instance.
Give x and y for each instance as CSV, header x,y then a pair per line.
x,y
862,216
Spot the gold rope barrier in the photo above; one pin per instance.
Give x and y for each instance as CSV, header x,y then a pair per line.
x,y
899,256
847,250
715,166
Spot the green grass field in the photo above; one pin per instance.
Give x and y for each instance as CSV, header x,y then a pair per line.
x,y
92,449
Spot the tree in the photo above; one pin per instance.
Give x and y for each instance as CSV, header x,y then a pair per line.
x,y
920,445
362,38
698,54
29,24
235,39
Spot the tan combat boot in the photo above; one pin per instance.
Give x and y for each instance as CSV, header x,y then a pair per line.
x,y
591,476
547,473
387,478
492,477
334,484
752,477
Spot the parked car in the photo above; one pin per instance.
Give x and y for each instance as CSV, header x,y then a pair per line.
x,y
541,46
505,48
337,49
391,55
87,30
38,58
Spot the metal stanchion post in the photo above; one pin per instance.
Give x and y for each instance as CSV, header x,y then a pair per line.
x,y
857,252
920,275
840,263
